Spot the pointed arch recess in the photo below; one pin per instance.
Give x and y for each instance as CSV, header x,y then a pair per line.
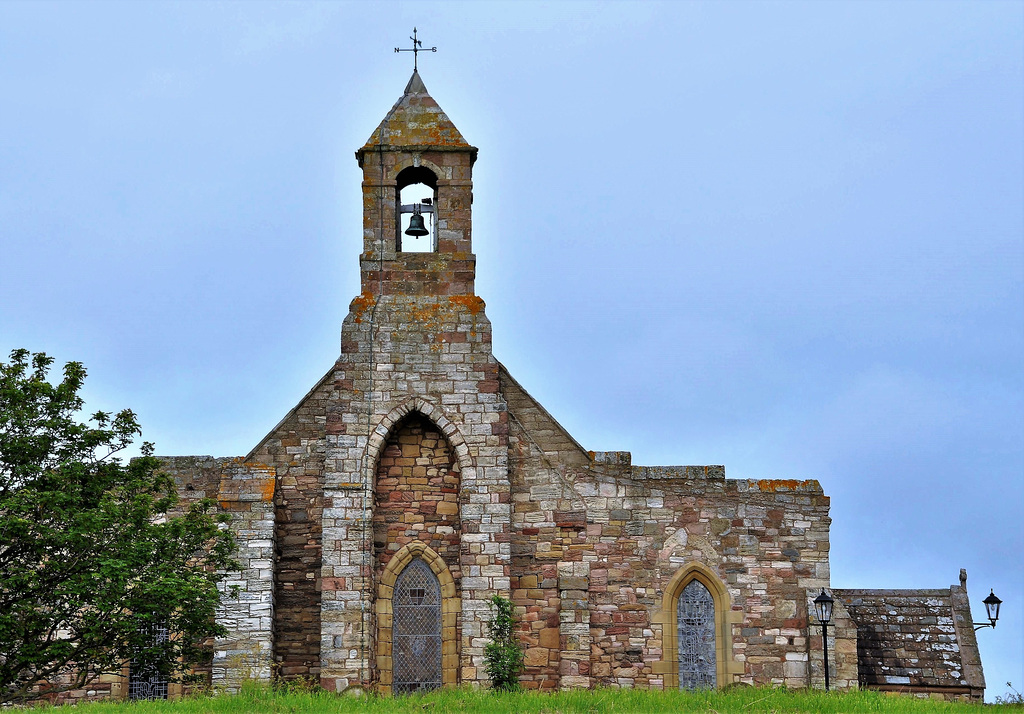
x,y
725,665
379,436
450,608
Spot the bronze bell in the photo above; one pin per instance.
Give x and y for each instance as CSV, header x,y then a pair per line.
x,y
416,227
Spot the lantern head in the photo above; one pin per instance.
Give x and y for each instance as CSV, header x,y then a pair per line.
x,y
992,604
823,606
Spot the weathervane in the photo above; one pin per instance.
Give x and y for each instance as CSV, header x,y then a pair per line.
x,y
416,49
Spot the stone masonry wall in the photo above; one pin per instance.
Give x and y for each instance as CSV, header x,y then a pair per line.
x,y
416,340
842,648
548,521
295,449
246,653
451,270
431,356
625,531
766,541
417,495
245,491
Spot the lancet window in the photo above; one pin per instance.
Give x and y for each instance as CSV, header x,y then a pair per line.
x,y
144,683
416,633
695,636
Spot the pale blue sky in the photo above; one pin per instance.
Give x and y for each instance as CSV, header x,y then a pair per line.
x,y
783,237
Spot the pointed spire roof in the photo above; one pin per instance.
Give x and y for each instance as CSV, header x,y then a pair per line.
x,y
416,120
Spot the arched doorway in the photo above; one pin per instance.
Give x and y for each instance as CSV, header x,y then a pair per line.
x,y
417,598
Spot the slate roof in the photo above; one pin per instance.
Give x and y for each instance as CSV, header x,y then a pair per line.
x,y
915,639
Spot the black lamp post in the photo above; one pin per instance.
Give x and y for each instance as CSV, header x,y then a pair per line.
x,y
823,606
992,604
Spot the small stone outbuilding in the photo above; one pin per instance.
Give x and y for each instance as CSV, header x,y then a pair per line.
x,y
917,641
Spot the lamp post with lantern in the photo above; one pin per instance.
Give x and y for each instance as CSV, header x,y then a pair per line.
x,y
823,606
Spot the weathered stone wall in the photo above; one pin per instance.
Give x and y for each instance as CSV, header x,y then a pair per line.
x,y
842,648
415,341
616,535
548,520
246,653
766,541
245,491
451,270
430,356
295,450
416,496
966,638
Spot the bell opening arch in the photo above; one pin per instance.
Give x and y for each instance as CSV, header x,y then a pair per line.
x,y
416,210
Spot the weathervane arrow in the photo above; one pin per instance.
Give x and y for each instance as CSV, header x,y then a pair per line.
x,y
416,49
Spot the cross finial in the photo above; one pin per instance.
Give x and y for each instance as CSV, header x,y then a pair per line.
x,y
416,49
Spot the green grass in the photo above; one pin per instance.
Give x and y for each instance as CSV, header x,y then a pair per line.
x,y
260,699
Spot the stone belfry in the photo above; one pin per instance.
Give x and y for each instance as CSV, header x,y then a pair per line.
x,y
417,145
412,427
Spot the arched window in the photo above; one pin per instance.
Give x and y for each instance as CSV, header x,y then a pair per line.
x,y
416,210
416,633
696,619
148,683
695,637
417,613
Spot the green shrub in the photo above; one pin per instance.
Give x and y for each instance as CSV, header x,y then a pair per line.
x,y
503,655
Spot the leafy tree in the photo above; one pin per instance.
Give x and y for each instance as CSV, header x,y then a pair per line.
x,y
503,657
95,552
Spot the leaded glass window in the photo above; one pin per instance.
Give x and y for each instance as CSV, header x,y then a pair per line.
x,y
695,623
148,684
416,630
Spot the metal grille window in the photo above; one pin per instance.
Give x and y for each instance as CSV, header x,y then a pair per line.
x,y
146,684
416,630
695,622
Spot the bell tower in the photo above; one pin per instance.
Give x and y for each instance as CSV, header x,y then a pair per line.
x,y
417,201
415,448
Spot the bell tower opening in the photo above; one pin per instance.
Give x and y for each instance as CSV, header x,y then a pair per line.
x,y
416,210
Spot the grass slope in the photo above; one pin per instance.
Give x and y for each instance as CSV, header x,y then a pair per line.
x,y
259,699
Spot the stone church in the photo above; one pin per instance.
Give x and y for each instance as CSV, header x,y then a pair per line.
x,y
418,479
